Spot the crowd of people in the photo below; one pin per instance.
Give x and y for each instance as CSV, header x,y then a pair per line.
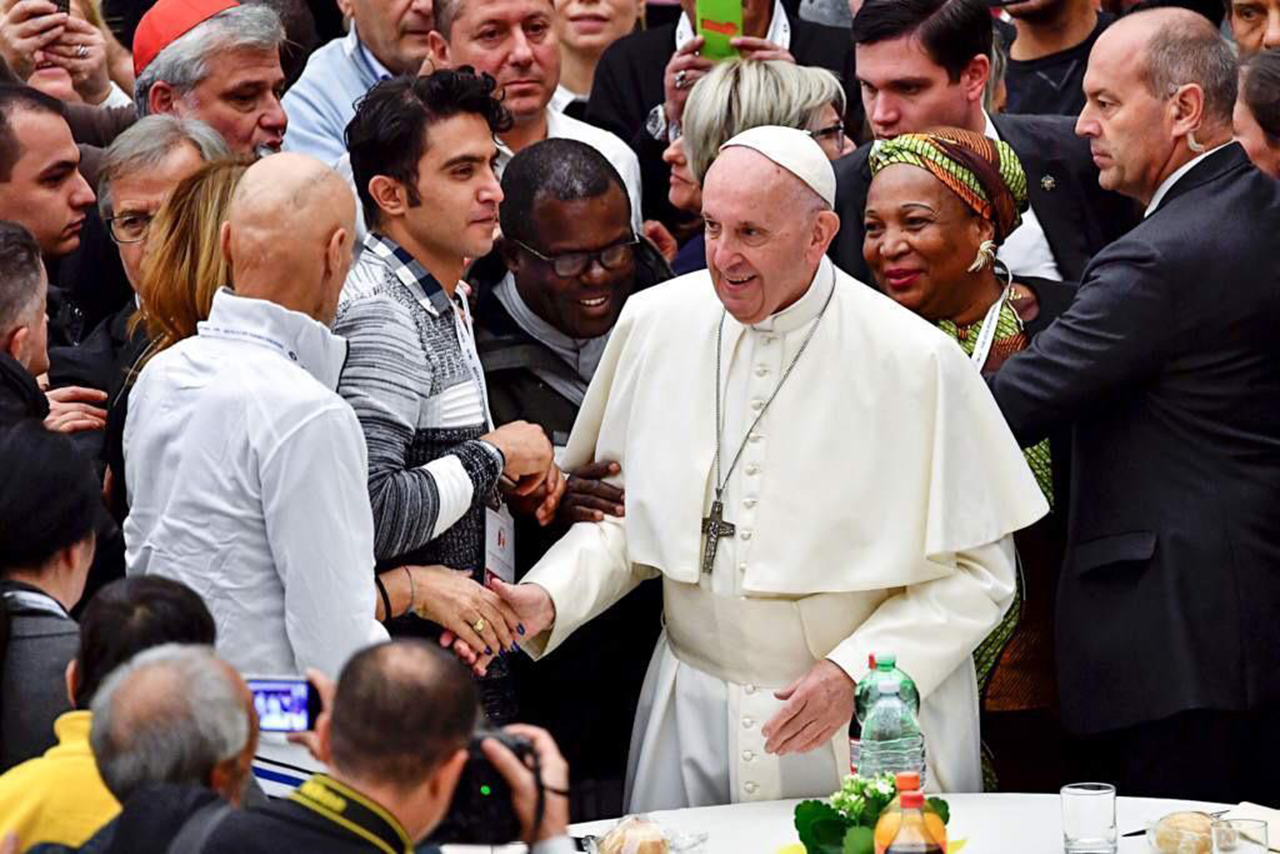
x,y
396,343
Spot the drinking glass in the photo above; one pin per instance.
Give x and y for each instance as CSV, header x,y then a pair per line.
x,y
1089,818
1239,836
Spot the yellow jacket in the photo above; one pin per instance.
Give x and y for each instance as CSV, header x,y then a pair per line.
x,y
58,797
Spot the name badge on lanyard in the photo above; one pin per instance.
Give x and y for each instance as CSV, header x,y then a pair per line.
x,y
499,544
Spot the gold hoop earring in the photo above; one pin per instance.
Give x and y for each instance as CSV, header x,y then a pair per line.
x,y
986,255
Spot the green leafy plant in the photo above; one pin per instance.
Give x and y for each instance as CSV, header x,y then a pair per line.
x,y
845,822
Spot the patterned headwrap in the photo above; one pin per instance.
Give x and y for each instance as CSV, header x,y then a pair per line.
x,y
985,173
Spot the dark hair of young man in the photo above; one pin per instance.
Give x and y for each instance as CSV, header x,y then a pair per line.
x,y
130,615
953,32
388,134
14,99
401,709
1261,91
562,169
49,496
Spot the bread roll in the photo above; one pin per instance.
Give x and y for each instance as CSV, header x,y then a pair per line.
x,y
635,836
1183,833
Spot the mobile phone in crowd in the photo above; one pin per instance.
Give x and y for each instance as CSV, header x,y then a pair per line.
x,y
718,21
64,6
285,703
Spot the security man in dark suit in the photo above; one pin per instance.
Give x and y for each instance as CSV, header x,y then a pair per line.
x,y
1168,365
643,79
924,64
395,737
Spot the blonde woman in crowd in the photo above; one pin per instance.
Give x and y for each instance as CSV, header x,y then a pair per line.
x,y
737,96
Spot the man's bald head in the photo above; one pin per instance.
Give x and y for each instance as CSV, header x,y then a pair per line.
x,y
1159,89
1178,47
767,232
288,235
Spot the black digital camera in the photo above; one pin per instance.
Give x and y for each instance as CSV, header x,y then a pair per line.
x,y
481,812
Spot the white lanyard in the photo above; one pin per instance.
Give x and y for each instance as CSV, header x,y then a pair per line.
x,y
988,334
34,601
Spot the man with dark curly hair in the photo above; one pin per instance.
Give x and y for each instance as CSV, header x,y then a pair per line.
x,y
422,156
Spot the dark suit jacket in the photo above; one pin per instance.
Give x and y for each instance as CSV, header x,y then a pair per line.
x,y
629,83
1168,363
1078,216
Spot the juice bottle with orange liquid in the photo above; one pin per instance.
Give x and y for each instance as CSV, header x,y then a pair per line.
x,y
910,829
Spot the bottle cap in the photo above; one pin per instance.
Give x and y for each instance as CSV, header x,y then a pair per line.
x,y
871,660
907,780
885,659
912,800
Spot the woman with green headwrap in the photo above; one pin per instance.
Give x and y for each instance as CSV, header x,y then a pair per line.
x,y
939,206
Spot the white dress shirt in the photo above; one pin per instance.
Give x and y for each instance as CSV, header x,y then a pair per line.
x,y
1167,184
248,482
1026,251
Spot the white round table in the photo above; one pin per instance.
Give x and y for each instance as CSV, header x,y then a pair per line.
x,y
992,824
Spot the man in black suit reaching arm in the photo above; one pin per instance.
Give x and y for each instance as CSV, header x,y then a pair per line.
x,y
1167,364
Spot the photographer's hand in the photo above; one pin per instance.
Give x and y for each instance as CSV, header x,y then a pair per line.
x,y
326,688
524,787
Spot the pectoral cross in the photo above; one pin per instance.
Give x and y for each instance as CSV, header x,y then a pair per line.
x,y
714,527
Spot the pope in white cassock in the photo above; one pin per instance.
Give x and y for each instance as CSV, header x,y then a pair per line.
x,y
815,473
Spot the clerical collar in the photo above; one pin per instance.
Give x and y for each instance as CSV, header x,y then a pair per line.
x,y
580,354
804,309
355,813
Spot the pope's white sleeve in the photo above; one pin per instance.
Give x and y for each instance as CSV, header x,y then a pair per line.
x,y
586,572
933,627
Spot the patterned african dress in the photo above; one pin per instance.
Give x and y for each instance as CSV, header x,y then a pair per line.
x,y
1009,339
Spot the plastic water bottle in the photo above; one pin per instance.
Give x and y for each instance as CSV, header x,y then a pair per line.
x,y
910,828
891,740
864,694
886,665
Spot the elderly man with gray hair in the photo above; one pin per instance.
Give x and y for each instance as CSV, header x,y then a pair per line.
x,y
173,735
214,60
137,173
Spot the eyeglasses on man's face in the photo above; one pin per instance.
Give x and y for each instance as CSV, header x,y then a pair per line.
x,y
129,227
572,264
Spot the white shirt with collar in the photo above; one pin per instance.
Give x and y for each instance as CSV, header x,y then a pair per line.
x,y
248,483
1026,251
1167,184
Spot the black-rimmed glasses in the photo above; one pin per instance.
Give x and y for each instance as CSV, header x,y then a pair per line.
x,y
130,227
572,264
835,131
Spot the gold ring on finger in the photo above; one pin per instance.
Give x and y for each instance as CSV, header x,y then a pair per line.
x,y
479,625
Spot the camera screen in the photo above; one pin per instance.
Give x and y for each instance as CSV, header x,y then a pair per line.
x,y
281,706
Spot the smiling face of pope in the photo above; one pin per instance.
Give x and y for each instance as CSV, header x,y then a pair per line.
x,y
766,233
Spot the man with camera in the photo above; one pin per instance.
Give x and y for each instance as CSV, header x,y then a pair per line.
x,y
397,736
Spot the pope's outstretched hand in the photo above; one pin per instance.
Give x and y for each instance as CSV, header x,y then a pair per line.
x,y
818,705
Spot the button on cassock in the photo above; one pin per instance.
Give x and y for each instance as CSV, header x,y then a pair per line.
x,y
750,787
757,404
748,755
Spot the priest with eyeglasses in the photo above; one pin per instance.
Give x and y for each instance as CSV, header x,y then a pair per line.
x,y
815,474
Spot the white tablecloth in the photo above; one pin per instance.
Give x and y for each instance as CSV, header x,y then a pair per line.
x,y
992,824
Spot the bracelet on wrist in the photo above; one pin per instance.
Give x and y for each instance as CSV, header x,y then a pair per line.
x,y
413,593
386,600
